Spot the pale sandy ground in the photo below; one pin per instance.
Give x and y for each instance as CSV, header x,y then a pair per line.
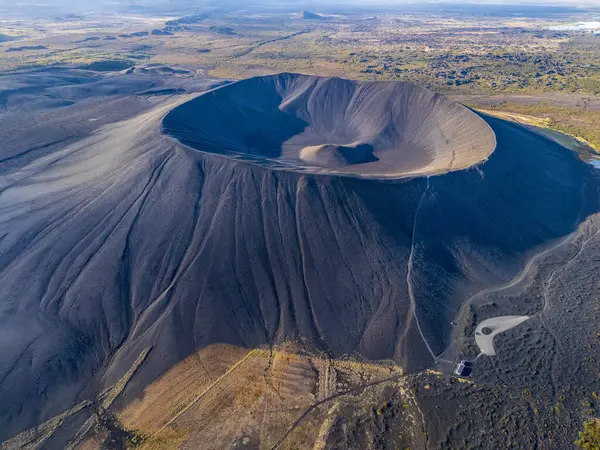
x,y
496,326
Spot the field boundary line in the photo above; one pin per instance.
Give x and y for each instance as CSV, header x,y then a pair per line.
x,y
204,392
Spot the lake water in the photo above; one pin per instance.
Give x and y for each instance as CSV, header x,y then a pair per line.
x,y
577,26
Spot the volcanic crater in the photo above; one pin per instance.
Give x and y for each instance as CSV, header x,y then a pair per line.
x,y
331,125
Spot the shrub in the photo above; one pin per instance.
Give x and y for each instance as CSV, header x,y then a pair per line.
x,y
589,438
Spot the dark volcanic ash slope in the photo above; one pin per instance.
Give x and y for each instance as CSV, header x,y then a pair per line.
x,y
128,240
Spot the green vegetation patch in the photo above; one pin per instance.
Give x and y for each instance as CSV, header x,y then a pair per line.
x,y
589,438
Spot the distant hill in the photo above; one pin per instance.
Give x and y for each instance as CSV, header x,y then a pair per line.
x,y
107,66
308,15
187,20
223,30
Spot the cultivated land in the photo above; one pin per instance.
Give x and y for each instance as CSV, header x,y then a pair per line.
x,y
292,261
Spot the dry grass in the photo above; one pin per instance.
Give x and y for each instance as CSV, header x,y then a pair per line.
x,y
578,128
546,127
224,394
179,385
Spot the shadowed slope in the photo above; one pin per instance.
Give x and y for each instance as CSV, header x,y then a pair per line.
x,y
330,125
